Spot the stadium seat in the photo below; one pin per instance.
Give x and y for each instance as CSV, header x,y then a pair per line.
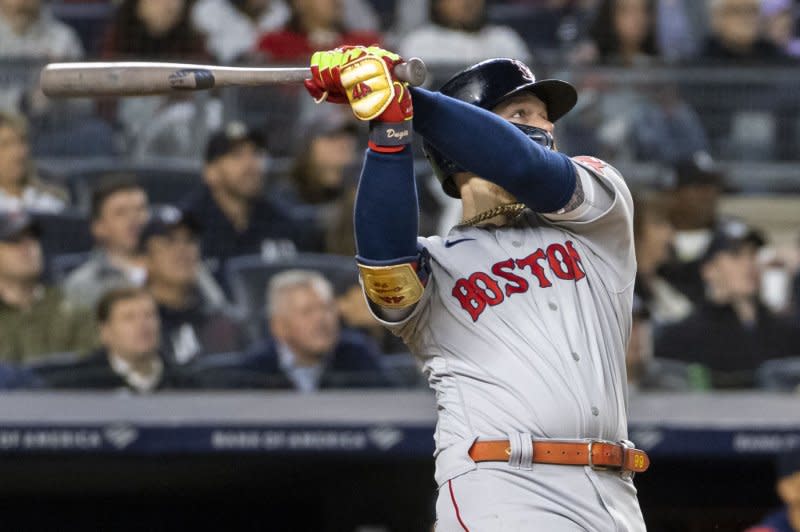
x,y
249,275
166,181
780,375
224,371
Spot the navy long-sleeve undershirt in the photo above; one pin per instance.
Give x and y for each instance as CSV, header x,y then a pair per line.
x,y
489,146
386,210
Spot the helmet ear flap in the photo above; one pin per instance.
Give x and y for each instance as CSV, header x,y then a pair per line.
x,y
443,169
538,135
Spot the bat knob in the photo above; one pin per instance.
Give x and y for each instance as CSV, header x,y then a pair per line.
x,y
412,71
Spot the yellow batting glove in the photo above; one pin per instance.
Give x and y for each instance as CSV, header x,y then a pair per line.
x,y
361,75
367,82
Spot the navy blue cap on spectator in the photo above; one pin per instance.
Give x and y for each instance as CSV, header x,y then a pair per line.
x,y
14,223
730,236
164,219
229,137
699,170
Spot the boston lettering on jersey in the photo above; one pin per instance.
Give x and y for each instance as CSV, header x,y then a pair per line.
x,y
480,289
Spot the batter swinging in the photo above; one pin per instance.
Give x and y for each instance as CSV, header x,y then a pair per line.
x,y
521,315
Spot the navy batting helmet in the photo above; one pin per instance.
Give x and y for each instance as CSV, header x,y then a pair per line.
x,y
488,83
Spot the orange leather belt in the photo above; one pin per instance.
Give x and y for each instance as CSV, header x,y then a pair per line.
x,y
598,454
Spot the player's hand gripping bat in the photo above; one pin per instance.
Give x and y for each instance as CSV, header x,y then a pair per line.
x,y
143,78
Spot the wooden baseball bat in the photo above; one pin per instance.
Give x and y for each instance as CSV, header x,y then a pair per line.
x,y
143,78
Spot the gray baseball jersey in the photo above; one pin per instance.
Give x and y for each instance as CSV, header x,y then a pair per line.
x,y
522,329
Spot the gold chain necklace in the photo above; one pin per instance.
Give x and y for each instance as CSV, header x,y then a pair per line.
x,y
511,210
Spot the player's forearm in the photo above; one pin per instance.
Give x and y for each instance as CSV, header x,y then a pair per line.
x,y
386,209
491,147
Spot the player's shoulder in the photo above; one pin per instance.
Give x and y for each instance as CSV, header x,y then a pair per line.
x,y
604,172
596,166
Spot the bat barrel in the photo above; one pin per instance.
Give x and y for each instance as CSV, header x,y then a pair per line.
x,y
104,79
142,78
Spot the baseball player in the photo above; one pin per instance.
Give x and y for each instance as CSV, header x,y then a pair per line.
x,y
521,315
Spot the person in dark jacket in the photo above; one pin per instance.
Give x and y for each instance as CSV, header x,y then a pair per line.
x,y
238,218
129,358
730,332
736,35
694,215
192,325
307,351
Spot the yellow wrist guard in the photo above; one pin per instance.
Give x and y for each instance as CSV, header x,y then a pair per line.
x,y
396,286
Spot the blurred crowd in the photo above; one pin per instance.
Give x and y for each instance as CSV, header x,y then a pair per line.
x,y
205,241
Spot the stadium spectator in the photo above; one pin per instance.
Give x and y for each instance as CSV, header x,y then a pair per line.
x,y
730,332
780,25
644,371
354,314
621,33
128,358
787,519
324,165
35,320
694,199
153,29
681,27
307,350
313,25
20,187
639,355
458,33
178,127
653,234
237,217
736,35
29,30
119,211
339,239
232,26
191,325
666,129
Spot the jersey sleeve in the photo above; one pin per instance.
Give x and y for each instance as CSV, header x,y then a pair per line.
x,y
603,220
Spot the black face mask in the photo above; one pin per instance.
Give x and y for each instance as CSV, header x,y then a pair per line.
x,y
538,135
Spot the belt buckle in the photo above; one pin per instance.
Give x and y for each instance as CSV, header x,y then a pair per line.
x,y
591,458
